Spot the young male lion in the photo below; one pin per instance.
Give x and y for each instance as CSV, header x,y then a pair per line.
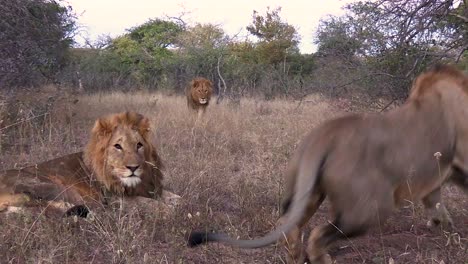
x,y
199,95
119,159
368,165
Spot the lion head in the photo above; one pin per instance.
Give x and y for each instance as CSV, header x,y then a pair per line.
x,y
121,156
200,91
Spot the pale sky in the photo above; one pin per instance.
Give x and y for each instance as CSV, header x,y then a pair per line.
x,y
113,17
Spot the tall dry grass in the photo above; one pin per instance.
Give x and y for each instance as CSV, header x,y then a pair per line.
x,y
228,170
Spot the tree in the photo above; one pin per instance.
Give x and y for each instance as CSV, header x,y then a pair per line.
x,y
276,37
201,45
393,41
34,38
200,48
146,49
335,39
155,36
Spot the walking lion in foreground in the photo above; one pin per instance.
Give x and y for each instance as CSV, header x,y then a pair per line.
x,y
199,95
119,160
369,164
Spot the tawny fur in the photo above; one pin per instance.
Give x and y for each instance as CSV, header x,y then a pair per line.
x,y
199,89
85,177
369,164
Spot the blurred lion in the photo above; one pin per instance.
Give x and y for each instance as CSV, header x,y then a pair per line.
x,y
119,160
369,164
199,95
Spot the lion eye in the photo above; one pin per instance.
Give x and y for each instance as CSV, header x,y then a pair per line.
x,y
139,145
117,146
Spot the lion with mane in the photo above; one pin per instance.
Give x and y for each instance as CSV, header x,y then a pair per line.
x,y
199,94
370,164
119,160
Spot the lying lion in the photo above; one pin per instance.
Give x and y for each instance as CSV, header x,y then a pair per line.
x,y
199,95
368,165
119,160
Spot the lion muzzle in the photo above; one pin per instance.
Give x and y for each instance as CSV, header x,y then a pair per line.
x,y
130,181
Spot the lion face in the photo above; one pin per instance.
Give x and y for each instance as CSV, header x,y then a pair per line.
x,y
203,95
125,156
201,90
121,155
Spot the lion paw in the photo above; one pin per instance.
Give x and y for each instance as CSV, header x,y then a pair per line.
x,y
78,211
324,259
440,217
3,207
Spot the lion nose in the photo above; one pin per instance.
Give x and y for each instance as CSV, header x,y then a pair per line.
x,y
133,168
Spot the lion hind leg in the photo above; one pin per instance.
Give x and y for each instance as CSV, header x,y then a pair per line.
x,y
13,200
435,209
351,219
323,236
292,241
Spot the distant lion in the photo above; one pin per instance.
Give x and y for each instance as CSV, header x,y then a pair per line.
x,y
119,160
199,94
369,164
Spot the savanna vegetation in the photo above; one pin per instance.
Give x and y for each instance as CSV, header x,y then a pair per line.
x,y
375,49
227,170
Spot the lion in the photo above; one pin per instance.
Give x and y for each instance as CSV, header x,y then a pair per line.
x,y
199,95
370,164
119,160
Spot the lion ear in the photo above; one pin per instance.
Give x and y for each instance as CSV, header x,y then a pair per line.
x,y
194,83
144,126
102,126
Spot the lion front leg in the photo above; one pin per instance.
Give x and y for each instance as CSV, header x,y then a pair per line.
x,y
460,178
436,211
200,113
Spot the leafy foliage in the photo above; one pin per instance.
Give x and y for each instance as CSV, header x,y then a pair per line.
x,y
395,40
145,49
276,37
34,38
374,50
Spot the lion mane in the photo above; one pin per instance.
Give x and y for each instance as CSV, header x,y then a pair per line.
x,y
369,164
199,94
119,159
98,147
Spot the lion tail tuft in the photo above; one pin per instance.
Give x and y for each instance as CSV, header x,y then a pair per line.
x,y
197,238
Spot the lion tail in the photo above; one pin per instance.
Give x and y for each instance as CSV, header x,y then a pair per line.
x,y
308,174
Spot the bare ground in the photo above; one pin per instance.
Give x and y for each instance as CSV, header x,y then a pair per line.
x,y
228,172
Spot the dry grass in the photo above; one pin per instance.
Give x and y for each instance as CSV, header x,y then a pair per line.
x,y
228,171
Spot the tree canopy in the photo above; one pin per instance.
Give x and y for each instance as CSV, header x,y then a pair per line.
x,y
276,37
34,38
374,50
396,39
